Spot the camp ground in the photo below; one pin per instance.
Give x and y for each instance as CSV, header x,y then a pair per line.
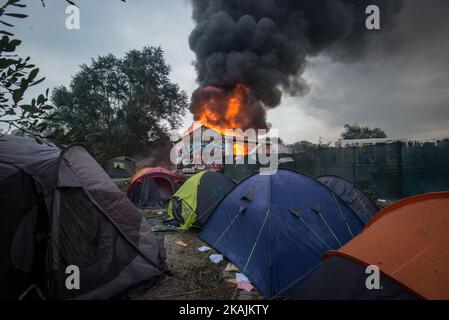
x,y
280,236
256,153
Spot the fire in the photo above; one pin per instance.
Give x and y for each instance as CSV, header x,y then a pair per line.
x,y
240,149
225,112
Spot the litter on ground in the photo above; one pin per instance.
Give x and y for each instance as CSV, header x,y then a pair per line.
x,y
204,249
181,243
231,268
240,277
245,285
216,258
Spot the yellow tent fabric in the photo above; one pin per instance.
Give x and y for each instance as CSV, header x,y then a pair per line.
x,y
188,194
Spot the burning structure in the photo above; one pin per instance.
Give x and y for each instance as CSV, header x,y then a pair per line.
x,y
250,52
200,139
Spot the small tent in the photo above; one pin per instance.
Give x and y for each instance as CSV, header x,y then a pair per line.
x,y
153,188
276,228
60,209
120,167
354,196
194,202
408,243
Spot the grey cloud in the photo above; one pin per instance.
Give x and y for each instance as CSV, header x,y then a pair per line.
x,y
401,85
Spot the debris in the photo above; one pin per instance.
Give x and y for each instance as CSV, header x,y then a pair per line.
x,y
216,258
231,268
241,277
204,249
245,285
181,243
227,275
163,228
233,281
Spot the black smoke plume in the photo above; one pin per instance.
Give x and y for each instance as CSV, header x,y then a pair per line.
x,y
264,44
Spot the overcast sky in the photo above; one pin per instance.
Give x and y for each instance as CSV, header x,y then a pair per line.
x,y
402,86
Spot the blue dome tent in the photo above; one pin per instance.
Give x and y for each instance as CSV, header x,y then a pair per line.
x,y
277,228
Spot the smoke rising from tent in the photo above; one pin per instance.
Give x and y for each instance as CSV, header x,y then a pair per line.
x,y
264,45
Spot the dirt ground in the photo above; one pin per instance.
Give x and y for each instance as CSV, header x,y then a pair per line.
x,y
192,276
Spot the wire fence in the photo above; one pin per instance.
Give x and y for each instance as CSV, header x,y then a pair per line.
x,y
389,171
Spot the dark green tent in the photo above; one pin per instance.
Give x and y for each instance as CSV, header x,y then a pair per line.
x,y
121,167
194,202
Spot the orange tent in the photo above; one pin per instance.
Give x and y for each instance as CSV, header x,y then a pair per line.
x,y
409,242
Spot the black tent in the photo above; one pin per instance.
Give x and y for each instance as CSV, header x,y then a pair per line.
x,y
60,209
340,278
354,196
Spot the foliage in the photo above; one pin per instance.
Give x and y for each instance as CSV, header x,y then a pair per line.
x,y
121,106
356,131
17,75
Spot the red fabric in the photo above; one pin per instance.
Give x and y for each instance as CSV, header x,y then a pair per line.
x,y
142,174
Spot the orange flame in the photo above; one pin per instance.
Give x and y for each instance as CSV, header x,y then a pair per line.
x,y
240,149
231,118
227,112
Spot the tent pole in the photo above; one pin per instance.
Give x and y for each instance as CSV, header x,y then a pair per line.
x,y
141,191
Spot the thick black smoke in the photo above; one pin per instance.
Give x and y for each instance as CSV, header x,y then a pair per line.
x,y
264,44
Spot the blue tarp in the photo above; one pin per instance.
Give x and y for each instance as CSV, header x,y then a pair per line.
x,y
277,228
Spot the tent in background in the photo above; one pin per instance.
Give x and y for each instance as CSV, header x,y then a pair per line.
x,y
59,208
407,241
120,167
153,188
277,228
194,202
354,197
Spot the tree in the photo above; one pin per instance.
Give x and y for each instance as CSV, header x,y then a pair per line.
x,y
121,106
356,131
17,74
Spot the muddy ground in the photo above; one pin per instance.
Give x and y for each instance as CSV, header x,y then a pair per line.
x,y
192,275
